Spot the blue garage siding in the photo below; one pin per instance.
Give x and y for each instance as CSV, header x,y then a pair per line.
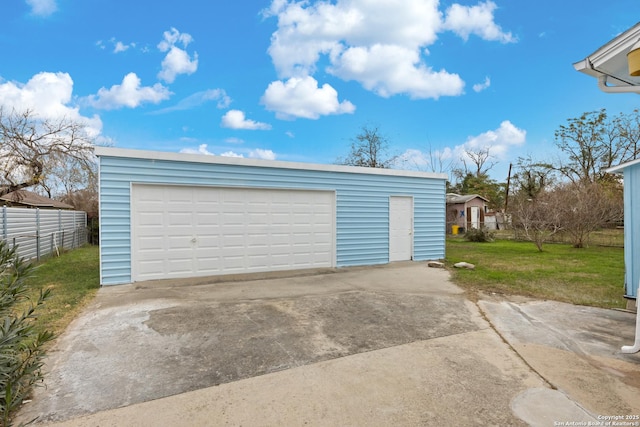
x,y
632,229
362,203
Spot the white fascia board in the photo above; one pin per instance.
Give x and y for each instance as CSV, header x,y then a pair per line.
x,y
611,59
623,166
241,161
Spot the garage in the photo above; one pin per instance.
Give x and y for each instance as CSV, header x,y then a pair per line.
x,y
175,215
190,231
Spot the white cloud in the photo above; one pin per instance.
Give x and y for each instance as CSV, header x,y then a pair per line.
x,y
49,96
199,98
259,153
497,141
173,37
231,154
202,149
118,46
234,140
42,7
177,61
434,160
128,94
301,97
235,119
478,20
390,70
479,87
381,44
413,158
290,134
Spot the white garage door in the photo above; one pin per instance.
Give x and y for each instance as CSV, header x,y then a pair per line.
x,y
181,231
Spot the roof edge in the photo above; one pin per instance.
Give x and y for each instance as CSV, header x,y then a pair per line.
x,y
622,166
241,161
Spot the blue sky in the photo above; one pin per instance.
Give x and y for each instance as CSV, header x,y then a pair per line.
x,y
295,81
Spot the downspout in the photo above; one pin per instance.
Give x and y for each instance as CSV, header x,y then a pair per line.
x,y
602,84
636,346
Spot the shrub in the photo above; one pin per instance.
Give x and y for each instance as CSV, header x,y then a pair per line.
x,y
21,345
479,235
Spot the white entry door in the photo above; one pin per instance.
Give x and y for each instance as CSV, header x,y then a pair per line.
x,y
183,231
400,228
475,217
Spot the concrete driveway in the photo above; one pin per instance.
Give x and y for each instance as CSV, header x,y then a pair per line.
x,y
390,345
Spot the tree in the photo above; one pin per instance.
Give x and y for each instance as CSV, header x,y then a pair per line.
x,y
536,217
628,127
483,186
481,161
42,152
369,149
532,177
593,143
576,209
585,207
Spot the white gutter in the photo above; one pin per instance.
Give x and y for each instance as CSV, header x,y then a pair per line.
x,y
602,84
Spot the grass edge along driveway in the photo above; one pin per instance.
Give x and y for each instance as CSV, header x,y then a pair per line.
x,y
592,276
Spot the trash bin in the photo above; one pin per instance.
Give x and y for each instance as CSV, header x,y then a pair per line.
x,y
454,229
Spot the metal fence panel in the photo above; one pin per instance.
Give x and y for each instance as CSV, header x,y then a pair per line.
x,y
40,232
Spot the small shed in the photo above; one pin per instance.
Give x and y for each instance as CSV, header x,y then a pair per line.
x,y
616,65
174,215
466,211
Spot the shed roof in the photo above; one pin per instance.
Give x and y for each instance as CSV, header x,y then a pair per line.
x,y
28,198
609,62
622,166
203,158
457,198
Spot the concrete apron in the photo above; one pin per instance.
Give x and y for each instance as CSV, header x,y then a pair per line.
x,y
392,345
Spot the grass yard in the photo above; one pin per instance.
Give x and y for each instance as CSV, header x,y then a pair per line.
x,y
591,276
74,279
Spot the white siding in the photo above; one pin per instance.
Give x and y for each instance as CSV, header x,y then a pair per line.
x,y
39,232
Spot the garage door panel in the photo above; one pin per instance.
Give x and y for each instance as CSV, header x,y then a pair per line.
x,y
148,244
193,231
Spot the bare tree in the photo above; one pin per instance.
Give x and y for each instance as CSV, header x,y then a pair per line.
x,y
592,143
585,207
481,160
535,217
369,149
575,209
37,152
628,128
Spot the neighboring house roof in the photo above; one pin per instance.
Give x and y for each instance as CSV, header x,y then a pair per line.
x,y
457,198
27,198
609,63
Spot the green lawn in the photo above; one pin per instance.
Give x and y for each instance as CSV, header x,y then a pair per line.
x,y
74,279
591,276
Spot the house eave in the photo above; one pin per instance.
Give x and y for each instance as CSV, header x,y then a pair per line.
x,y
621,167
610,60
